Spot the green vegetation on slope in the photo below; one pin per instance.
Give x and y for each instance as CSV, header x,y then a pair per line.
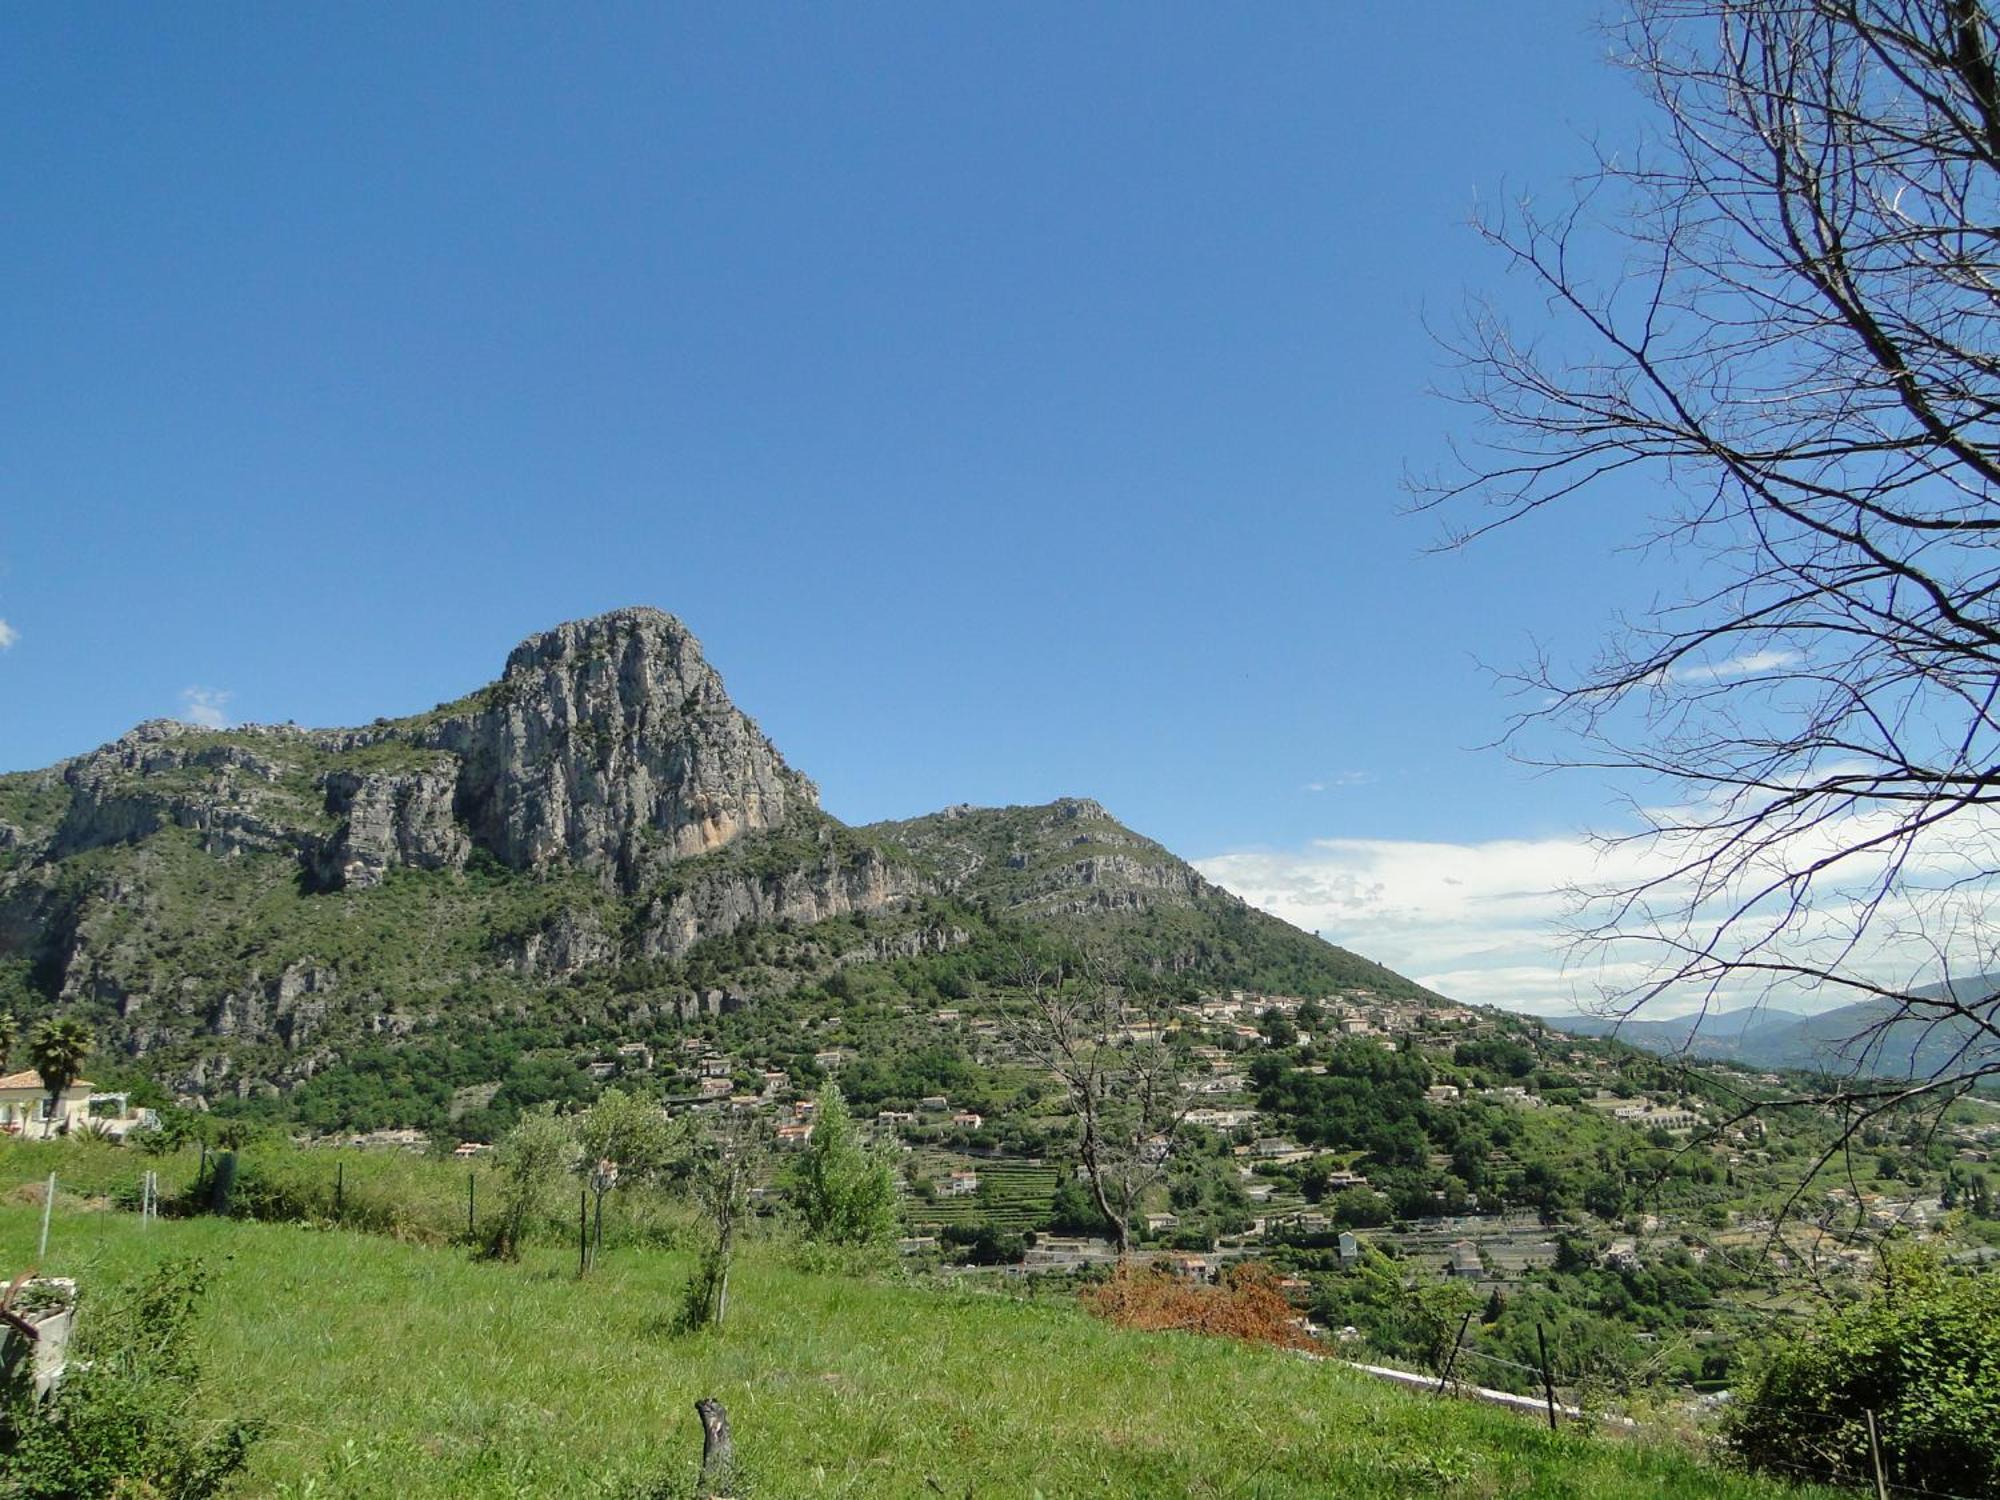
x,y
1071,863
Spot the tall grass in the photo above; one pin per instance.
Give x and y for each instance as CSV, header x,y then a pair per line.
x,y
416,1199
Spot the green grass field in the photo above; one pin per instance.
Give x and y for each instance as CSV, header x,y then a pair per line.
x,y
393,1369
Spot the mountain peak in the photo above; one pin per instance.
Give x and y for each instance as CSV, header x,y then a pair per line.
x,y
611,743
637,627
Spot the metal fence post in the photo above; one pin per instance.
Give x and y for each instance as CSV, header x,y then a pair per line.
x,y
1548,1380
48,1208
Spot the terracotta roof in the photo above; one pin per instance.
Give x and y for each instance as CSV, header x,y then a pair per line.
x,y
30,1079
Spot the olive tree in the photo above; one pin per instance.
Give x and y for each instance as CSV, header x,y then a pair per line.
x,y
533,1159
722,1159
621,1139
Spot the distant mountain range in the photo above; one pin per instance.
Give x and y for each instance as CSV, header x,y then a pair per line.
x,y
1864,1038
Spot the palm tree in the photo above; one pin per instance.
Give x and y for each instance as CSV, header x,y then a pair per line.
x,y
56,1050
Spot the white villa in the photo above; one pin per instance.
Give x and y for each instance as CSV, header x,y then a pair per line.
x,y
24,1108
24,1105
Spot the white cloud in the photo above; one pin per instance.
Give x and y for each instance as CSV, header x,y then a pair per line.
x,y
1488,922
1749,664
8,635
1341,778
206,706
1482,916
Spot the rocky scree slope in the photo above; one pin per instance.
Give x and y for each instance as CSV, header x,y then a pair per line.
x,y
242,908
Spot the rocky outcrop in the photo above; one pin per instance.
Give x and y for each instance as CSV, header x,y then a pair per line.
x,y
1065,858
611,744
915,943
1107,881
607,744
835,886
167,774
390,819
569,942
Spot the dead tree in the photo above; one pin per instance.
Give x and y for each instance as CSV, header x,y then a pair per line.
x,y
1782,310
1126,1090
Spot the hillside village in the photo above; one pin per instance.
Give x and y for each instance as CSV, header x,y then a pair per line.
x,y
976,1204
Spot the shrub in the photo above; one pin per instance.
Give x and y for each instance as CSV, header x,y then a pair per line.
x,y
122,1421
1247,1305
846,1194
1922,1353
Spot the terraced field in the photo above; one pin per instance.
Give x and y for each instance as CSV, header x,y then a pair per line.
x,y
1013,1194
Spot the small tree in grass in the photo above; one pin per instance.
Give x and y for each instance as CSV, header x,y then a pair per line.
x,y
621,1138
533,1157
56,1050
720,1164
846,1193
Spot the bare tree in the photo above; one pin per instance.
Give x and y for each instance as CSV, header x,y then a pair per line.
x,y
1127,1091
1783,312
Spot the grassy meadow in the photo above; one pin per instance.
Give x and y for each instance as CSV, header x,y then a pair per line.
x,y
391,1368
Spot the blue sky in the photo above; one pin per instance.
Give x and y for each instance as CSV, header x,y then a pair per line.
x,y
1013,399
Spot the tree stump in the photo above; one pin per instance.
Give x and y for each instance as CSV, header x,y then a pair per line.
x,y
718,1453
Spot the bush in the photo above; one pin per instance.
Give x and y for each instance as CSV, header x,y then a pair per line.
x,y
846,1193
122,1422
1247,1305
1923,1354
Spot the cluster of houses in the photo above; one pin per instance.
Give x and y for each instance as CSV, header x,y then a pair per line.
x,y
1224,1028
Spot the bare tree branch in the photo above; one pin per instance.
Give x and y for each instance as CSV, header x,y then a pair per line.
x,y
1784,307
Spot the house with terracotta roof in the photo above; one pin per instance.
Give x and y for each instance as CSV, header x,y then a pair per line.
x,y
24,1105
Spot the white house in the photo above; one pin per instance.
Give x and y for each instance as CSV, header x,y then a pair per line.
x,y
24,1106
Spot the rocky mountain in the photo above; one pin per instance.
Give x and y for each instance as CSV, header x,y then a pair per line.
x,y
566,850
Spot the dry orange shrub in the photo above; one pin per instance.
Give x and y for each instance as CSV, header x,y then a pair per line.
x,y
1247,1305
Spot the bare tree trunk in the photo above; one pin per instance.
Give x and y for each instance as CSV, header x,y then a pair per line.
x,y
725,1253
718,1452
1093,1168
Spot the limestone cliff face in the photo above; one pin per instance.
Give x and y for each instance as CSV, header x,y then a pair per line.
x,y
390,819
611,744
833,886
